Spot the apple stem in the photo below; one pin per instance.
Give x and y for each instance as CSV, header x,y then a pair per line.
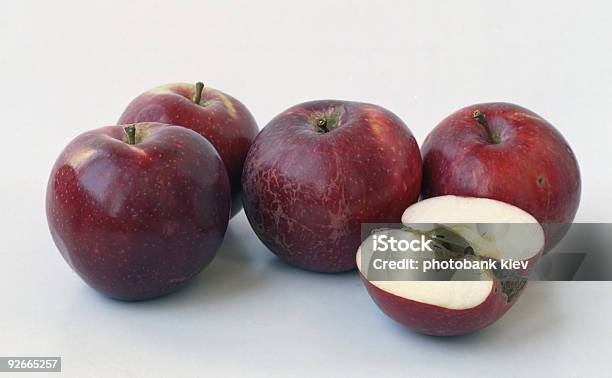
x,y
480,118
322,125
130,133
199,86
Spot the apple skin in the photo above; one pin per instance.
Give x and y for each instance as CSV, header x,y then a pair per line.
x,y
138,221
221,119
306,193
438,321
532,167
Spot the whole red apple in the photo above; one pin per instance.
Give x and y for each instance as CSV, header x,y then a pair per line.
x,y
137,212
221,119
319,170
505,152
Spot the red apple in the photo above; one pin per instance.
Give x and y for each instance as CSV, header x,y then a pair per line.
x,y
138,213
217,116
508,153
473,299
319,170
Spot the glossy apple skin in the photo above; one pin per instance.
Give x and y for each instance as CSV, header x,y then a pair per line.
x,y
138,221
532,168
307,193
221,119
438,321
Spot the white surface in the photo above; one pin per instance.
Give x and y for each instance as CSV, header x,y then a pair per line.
x,y
66,67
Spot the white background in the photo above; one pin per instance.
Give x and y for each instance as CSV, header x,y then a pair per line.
x,y
66,67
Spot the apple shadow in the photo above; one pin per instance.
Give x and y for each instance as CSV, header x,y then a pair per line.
x,y
277,264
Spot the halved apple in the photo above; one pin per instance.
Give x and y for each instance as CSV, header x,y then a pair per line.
x,y
462,228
